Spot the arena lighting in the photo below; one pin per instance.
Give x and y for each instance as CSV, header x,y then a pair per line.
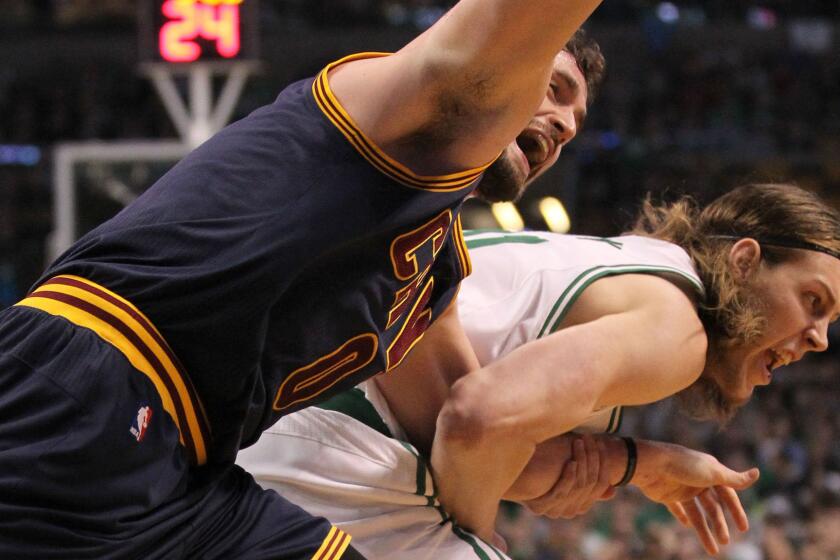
x,y
507,216
668,12
555,215
14,154
762,18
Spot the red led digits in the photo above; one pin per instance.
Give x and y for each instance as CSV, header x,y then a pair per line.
x,y
214,20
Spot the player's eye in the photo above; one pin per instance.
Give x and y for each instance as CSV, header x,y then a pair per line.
x,y
814,301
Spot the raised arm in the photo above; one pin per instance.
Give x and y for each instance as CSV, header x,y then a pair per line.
x,y
454,97
639,340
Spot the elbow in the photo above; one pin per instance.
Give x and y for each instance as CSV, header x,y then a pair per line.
x,y
465,419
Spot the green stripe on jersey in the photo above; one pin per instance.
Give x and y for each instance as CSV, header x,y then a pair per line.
x,y
431,499
611,242
583,280
421,473
474,232
474,543
354,404
615,420
505,239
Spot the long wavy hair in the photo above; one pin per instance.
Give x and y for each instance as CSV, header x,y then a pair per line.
x,y
730,312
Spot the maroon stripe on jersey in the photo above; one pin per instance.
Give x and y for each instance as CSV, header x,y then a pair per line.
x,y
338,553
204,425
432,183
147,353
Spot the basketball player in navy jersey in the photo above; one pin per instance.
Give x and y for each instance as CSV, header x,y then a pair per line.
x,y
296,253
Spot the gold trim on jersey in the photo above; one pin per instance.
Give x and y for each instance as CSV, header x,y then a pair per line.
x,y
435,230
118,322
333,367
461,246
415,315
333,546
333,110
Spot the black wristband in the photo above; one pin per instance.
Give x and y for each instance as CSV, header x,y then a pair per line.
x,y
632,454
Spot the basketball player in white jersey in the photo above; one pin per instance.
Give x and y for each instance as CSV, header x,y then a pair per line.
x,y
562,330
351,461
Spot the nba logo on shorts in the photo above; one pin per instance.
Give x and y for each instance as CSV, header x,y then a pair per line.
x,y
144,416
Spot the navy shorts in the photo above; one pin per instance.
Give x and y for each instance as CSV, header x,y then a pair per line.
x,y
99,458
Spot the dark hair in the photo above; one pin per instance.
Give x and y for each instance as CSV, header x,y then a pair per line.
x,y
589,59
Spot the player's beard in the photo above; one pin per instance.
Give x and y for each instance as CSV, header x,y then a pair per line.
x,y
711,399
501,182
706,400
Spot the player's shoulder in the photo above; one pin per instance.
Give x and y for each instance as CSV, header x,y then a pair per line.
x,y
674,303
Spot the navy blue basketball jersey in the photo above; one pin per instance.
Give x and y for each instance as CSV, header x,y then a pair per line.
x,y
286,259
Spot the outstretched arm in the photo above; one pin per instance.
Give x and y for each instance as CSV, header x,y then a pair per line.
x,y
569,473
696,488
459,93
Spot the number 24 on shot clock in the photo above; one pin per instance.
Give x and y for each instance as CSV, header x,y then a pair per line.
x,y
186,31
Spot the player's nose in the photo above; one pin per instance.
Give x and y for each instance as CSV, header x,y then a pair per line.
x,y
564,124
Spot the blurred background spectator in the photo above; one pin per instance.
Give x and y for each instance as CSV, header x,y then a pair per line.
x,y
700,96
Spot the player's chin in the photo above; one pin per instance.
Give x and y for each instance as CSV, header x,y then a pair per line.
x,y
494,196
501,187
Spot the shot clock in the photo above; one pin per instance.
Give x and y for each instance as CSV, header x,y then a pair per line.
x,y
186,31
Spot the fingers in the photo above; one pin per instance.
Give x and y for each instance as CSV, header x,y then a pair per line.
x,y
729,499
608,494
604,475
559,501
579,456
546,505
604,472
706,516
738,480
698,522
714,514
678,511
567,480
593,460
581,483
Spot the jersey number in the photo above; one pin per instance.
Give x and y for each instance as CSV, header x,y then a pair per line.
x,y
308,382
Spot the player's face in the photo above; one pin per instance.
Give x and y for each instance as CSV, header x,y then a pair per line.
x,y
798,299
556,122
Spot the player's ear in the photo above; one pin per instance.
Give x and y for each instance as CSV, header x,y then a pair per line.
x,y
744,257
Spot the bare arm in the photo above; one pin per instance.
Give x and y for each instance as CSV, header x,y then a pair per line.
x,y
550,459
649,347
695,487
459,93
418,387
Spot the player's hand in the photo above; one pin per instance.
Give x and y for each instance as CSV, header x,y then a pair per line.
x,y
708,509
669,473
583,481
696,488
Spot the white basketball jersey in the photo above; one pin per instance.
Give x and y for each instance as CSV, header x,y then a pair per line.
x,y
523,285
349,463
